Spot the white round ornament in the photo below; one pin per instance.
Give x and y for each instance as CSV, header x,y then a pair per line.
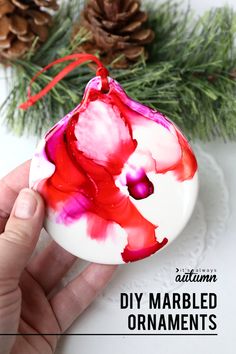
x,y
119,179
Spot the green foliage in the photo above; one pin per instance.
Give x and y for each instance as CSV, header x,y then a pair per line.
x,y
188,77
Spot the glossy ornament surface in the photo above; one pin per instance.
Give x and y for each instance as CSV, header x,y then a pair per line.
x,y
119,179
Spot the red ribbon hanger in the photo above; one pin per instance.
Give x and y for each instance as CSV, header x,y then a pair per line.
x,y
78,60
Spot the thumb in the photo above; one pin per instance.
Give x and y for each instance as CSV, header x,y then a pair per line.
x,y
21,235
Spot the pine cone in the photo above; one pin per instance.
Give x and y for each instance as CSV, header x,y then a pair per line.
x,y
117,28
21,21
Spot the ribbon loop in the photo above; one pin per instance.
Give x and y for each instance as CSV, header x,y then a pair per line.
x,y
103,73
78,59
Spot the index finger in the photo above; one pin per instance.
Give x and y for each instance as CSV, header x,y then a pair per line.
x,y
10,185
80,292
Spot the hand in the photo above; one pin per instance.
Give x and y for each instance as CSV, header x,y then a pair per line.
x,y
26,283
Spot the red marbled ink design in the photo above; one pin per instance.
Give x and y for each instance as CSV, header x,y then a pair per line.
x,y
90,148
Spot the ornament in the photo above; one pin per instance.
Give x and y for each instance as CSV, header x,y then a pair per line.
x,y
117,31
118,178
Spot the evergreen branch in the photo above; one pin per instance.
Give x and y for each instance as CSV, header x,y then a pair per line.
x,y
190,75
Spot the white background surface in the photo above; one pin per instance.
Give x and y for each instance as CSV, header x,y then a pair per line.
x,y
16,150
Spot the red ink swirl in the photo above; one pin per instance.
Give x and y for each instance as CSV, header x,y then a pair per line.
x,y
90,150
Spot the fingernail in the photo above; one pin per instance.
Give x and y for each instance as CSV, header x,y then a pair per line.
x,y
26,204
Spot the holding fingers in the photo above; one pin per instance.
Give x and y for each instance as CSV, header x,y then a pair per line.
x,y
25,283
